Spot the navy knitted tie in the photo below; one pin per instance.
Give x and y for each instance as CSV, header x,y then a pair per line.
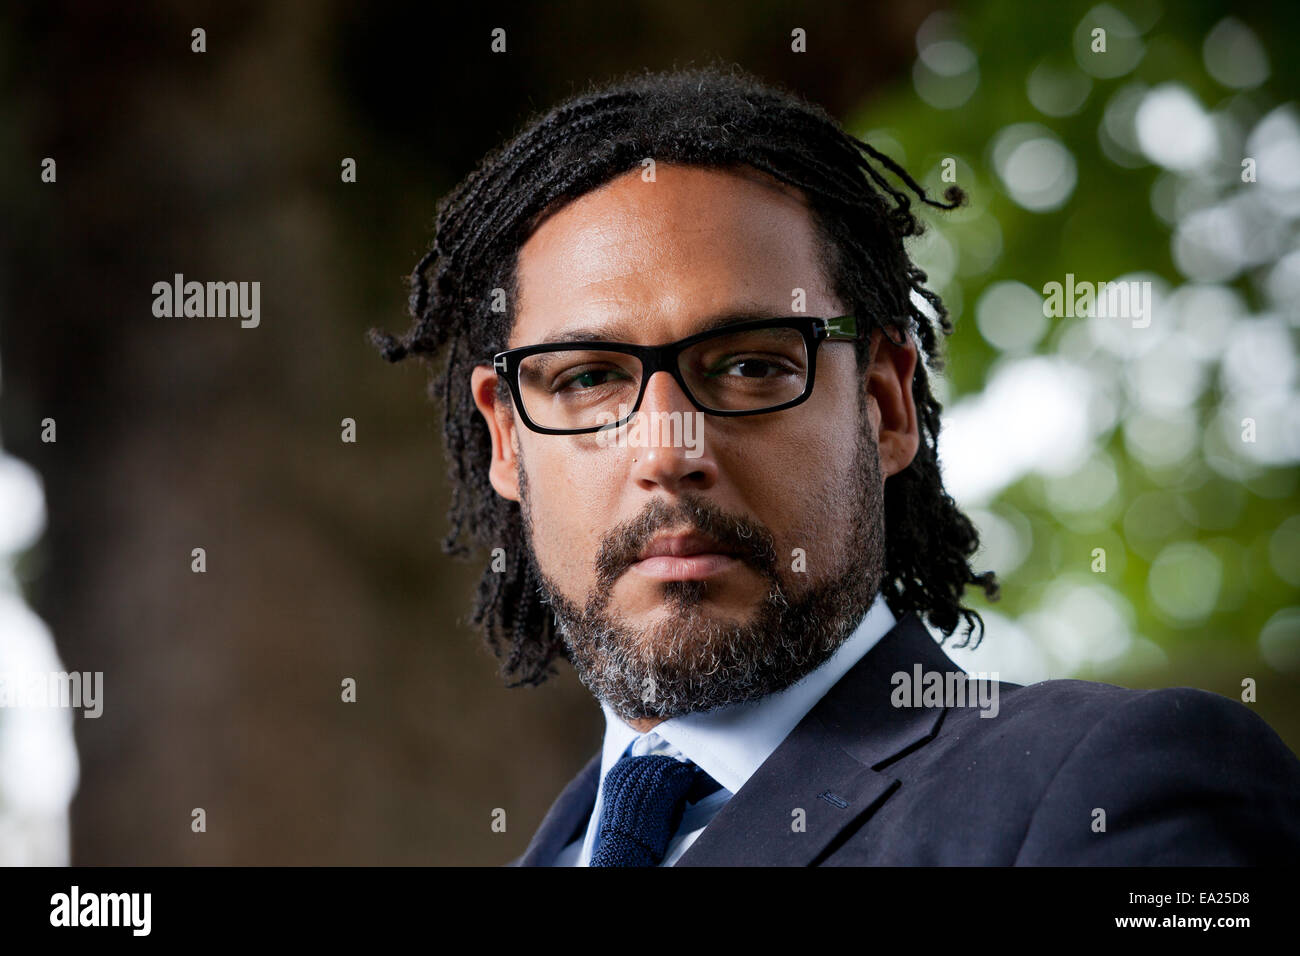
x,y
645,798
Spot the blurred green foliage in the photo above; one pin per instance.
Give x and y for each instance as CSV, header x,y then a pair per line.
x,y
1202,550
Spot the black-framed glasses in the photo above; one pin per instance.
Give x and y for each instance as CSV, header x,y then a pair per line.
x,y
749,368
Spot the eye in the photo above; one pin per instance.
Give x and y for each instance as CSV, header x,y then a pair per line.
x,y
748,367
589,378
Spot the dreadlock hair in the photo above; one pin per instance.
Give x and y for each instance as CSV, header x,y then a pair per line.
x,y
718,116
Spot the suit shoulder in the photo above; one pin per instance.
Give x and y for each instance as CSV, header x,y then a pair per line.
x,y
1076,718
1187,722
1059,710
1172,776
1095,705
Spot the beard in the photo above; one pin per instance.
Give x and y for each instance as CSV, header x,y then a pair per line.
x,y
688,661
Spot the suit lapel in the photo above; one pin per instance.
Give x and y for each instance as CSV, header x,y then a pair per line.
x,y
567,817
831,771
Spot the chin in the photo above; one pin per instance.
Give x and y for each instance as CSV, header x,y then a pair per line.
x,y
676,619
696,601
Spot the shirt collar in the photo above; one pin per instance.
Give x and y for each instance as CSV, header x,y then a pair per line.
x,y
732,742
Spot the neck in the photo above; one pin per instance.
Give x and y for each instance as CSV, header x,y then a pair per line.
x,y
645,724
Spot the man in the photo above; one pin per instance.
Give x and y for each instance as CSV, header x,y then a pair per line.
x,y
685,411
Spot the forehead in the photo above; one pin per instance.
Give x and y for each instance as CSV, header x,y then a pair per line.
x,y
652,260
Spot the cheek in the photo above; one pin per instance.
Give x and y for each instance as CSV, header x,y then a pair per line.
x,y
800,474
795,480
569,502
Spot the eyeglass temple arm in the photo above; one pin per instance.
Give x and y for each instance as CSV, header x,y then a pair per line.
x,y
845,327
841,327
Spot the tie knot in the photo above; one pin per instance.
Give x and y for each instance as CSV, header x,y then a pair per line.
x,y
644,801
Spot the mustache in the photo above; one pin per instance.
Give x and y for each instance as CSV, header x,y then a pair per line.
x,y
750,541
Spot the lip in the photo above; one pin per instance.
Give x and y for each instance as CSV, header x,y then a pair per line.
x,y
694,567
683,557
680,546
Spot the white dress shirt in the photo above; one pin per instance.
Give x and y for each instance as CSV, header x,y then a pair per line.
x,y
730,743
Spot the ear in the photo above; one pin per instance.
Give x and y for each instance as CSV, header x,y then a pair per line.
x,y
503,471
892,409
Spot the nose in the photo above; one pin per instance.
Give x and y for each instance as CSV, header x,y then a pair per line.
x,y
674,456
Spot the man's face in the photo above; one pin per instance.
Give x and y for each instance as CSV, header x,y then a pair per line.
x,y
792,500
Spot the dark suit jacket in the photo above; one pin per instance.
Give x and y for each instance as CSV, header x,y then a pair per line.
x,y
1184,777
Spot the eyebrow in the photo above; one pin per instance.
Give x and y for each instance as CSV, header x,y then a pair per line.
x,y
613,332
